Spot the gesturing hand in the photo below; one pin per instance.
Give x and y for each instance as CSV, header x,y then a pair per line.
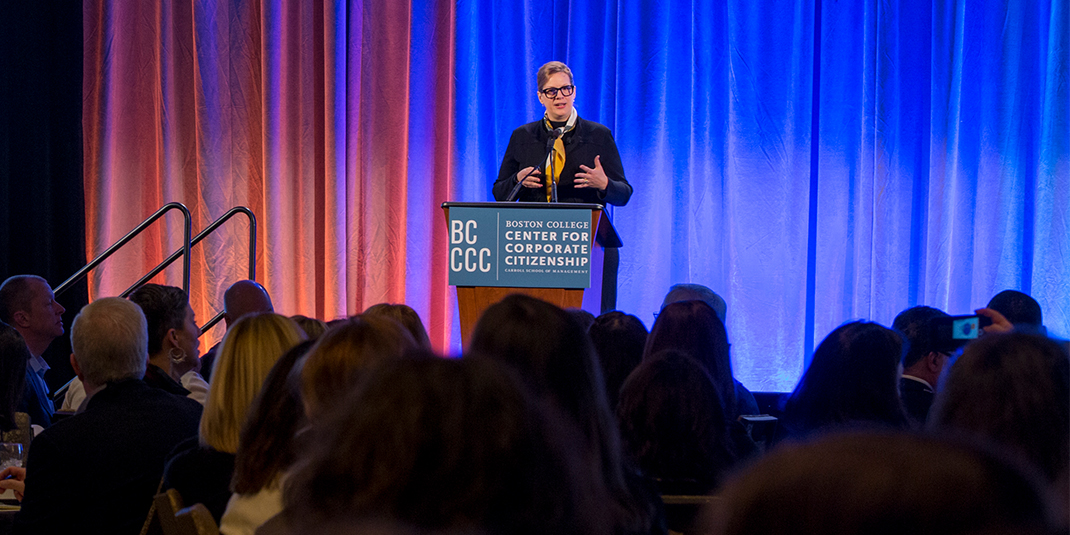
x,y
533,177
592,178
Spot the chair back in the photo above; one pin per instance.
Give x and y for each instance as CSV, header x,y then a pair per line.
x,y
197,520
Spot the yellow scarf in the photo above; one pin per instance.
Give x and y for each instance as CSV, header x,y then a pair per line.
x,y
558,154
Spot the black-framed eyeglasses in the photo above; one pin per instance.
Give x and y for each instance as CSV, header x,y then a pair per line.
x,y
551,92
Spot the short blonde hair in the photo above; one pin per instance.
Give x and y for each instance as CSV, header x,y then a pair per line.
x,y
344,353
250,348
549,69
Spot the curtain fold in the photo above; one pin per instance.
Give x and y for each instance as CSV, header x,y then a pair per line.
x,y
813,162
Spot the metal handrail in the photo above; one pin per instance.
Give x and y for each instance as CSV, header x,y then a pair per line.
x,y
197,239
188,229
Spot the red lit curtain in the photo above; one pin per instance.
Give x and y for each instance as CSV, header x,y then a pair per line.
x,y
329,119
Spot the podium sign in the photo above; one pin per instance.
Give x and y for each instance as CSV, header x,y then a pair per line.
x,y
514,247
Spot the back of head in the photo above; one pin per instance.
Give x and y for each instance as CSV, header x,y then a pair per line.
x,y
13,357
314,328
696,292
164,308
440,444
267,446
248,351
245,297
550,350
618,338
1013,389
1019,309
109,338
552,353
853,379
882,483
916,326
407,317
344,353
15,295
672,421
693,328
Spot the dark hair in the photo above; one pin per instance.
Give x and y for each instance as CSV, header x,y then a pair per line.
x,y
1015,390
164,308
1018,308
13,357
852,380
343,354
915,324
618,339
882,483
553,354
673,423
267,444
407,317
314,328
583,317
694,328
441,444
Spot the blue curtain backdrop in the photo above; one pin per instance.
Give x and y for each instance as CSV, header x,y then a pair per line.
x,y
813,161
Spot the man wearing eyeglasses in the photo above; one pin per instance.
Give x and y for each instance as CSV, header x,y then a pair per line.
x,y
584,161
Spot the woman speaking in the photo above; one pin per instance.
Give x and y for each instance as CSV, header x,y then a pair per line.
x,y
584,161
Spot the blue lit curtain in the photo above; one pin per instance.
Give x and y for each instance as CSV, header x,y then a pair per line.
x,y
812,161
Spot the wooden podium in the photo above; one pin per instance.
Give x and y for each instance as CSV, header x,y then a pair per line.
x,y
472,300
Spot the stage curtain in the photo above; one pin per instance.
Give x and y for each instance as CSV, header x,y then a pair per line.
x,y
331,120
813,162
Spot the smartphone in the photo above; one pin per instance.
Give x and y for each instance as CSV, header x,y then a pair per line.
x,y
953,332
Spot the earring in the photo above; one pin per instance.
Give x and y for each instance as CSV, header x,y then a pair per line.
x,y
176,357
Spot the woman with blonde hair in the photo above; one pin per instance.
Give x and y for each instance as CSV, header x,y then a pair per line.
x,y
201,468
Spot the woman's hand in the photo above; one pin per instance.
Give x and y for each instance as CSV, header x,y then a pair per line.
x,y
592,178
18,476
531,176
1000,324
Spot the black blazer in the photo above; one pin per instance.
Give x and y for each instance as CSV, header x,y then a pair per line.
x,y
97,471
527,148
917,399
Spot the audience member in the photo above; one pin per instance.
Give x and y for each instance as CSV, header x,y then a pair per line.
x,y
407,317
173,346
618,340
553,354
97,471
313,327
923,361
866,483
344,354
696,292
442,445
1013,389
852,380
584,318
673,423
201,469
28,304
267,448
694,328
14,425
240,299
1020,309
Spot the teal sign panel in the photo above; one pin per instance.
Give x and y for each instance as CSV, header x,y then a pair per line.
x,y
520,248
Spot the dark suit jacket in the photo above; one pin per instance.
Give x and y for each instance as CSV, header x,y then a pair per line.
x,y
97,471
527,148
917,398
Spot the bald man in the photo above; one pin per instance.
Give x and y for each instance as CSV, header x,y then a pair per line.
x,y
241,299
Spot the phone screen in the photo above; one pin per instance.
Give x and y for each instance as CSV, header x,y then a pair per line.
x,y
966,328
